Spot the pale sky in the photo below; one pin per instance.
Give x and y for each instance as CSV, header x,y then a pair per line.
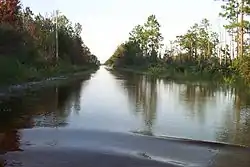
x,y
107,23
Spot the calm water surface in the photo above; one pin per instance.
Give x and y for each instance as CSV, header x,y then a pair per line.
x,y
126,102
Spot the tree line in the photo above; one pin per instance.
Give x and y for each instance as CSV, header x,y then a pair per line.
x,y
28,43
199,50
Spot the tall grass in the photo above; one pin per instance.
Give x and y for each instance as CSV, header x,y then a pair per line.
x,y
14,71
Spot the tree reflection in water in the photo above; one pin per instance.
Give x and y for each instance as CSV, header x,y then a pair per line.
x,y
199,110
198,101
142,92
48,107
237,124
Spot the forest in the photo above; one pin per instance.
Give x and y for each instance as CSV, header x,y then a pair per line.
x,y
198,52
33,46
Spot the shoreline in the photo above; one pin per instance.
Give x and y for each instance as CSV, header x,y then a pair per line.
x,y
10,90
177,76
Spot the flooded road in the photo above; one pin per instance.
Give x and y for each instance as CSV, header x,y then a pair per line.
x,y
125,102
48,147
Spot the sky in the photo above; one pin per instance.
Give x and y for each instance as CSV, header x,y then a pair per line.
x,y
107,23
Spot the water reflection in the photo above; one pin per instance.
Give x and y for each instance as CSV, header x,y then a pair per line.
x,y
48,107
237,124
123,101
202,111
142,93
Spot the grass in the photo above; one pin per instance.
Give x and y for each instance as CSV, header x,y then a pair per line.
x,y
187,75
13,71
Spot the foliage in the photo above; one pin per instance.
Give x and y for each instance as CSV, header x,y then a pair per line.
x,y
236,13
193,52
199,41
196,51
148,36
30,41
156,70
9,9
243,64
142,48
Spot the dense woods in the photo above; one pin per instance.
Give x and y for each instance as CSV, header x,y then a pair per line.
x,y
28,45
198,51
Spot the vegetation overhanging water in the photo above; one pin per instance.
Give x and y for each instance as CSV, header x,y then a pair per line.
x,y
174,105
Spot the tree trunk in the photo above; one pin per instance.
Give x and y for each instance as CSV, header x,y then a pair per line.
x,y
241,28
237,35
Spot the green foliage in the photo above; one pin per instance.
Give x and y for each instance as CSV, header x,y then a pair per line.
x,y
118,54
127,54
231,10
142,48
28,44
156,70
243,65
198,51
148,36
236,13
199,41
193,52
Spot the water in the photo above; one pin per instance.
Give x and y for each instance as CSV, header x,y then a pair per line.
x,y
126,102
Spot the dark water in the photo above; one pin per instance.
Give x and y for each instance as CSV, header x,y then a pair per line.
x,y
126,102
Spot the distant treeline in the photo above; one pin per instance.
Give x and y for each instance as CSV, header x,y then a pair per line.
x,y
198,51
28,44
